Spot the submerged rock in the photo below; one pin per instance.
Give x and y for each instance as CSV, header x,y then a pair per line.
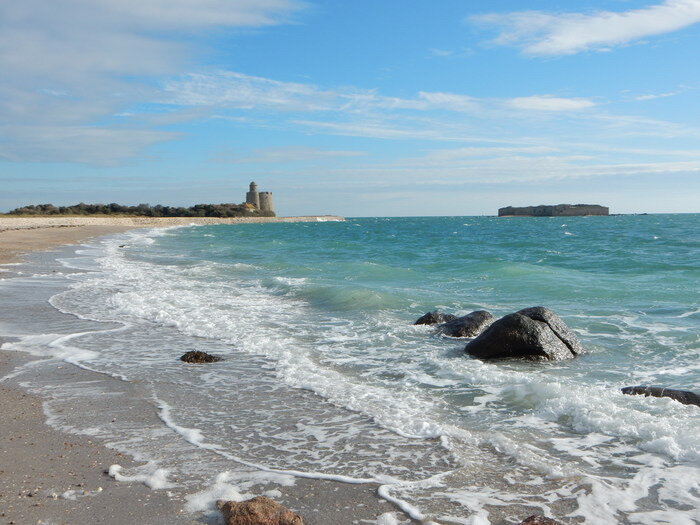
x,y
435,317
538,520
196,356
257,511
469,325
533,333
682,396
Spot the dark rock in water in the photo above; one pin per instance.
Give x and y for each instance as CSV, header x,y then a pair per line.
x,y
469,325
682,396
195,356
538,520
540,313
257,511
520,336
435,317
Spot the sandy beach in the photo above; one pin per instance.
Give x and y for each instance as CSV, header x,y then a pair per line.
x,y
26,234
50,476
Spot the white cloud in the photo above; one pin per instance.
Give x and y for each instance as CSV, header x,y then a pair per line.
x,y
229,89
372,128
425,101
197,14
441,52
237,90
539,33
460,155
74,63
449,101
652,96
549,103
82,144
287,154
233,90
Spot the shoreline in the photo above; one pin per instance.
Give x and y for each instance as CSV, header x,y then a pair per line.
x,y
50,475
19,235
20,241
8,222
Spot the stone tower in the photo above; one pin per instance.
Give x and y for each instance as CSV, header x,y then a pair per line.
x,y
265,198
253,197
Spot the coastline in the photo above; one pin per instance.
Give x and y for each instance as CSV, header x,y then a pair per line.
x,y
9,222
17,241
49,475
28,234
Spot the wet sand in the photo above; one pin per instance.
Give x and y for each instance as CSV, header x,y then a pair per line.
x,y
49,476
16,241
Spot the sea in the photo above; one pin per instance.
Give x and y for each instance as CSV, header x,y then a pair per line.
x,y
325,376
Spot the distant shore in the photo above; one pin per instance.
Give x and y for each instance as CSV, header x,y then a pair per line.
x,y
23,234
9,222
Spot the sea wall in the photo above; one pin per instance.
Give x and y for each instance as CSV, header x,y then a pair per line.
x,y
558,210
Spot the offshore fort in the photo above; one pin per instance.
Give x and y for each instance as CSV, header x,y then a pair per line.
x,y
555,210
261,200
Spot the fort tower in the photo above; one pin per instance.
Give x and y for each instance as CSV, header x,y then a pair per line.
x,y
266,201
262,200
253,197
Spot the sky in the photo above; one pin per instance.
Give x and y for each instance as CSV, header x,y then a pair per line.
x,y
357,108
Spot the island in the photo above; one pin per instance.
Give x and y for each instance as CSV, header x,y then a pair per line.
x,y
554,210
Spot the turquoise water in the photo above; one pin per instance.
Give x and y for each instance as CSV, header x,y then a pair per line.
x,y
315,323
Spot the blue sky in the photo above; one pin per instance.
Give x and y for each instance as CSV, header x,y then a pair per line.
x,y
360,108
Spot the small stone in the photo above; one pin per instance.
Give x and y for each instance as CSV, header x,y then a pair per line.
x,y
257,511
470,325
435,317
682,396
197,356
538,520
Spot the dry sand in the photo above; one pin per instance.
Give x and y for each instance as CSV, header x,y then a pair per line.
x,y
39,464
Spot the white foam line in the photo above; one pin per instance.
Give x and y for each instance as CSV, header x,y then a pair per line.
x,y
688,314
65,352
407,508
195,437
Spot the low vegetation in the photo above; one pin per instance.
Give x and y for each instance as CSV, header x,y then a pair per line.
x,y
144,210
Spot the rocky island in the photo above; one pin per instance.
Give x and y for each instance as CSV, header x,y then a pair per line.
x,y
556,210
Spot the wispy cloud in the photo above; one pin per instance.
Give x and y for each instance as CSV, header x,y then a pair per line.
x,y
71,66
498,168
441,52
286,155
652,96
237,90
550,103
683,88
233,90
99,146
539,33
